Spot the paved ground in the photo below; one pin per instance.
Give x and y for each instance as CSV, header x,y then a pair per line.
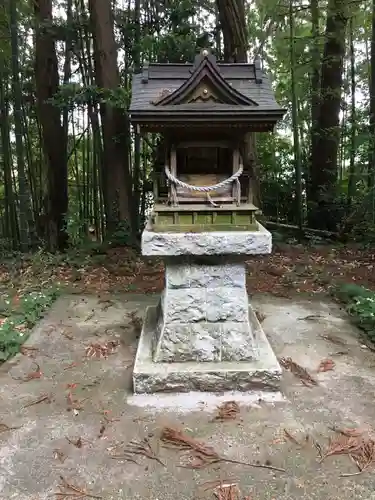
x,y
37,452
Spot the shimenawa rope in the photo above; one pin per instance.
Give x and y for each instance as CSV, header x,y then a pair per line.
x,y
207,189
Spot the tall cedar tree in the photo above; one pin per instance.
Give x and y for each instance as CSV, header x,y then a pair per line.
x,y
116,173
233,26
324,157
54,143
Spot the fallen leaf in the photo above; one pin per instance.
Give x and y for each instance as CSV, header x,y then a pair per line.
x,y
97,350
348,432
334,339
78,443
339,353
326,365
360,449
32,375
42,398
59,455
74,404
228,411
291,438
274,271
106,304
90,316
71,365
298,371
69,490
6,428
212,485
28,351
67,335
136,321
260,316
142,447
310,317
227,492
178,439
107,418
202,455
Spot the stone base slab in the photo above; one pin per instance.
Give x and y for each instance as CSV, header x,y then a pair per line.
x,y
152,377
239,243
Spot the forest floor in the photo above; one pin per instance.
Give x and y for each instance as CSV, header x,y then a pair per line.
x,y
289,269
70,426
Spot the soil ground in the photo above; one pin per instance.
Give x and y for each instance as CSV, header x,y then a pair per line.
x,y
288,270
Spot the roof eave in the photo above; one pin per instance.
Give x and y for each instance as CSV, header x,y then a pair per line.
x,y
199,116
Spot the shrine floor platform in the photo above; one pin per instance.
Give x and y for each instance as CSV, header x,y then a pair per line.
x,y
81,411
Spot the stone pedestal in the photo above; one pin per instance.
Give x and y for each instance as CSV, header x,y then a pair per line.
x,y
204,335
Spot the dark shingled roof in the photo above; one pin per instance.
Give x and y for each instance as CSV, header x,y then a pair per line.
x,y
248,88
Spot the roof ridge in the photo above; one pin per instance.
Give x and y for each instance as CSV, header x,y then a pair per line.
x,y
206,67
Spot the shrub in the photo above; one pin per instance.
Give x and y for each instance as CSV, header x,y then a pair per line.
x,y
19,315
360,304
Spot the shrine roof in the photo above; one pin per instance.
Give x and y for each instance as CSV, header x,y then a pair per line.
x,y
162,89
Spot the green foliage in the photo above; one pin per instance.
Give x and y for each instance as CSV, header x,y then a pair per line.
x,y
73,94
19,315
121,236
363,311
348,292
360,304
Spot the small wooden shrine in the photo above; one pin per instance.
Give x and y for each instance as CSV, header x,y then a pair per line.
x,y
202,112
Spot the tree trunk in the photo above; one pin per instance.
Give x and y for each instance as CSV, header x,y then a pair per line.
x,y
67,63
315,88
325,150
6,162
88,78
117,185
137,136
26,215
47,85
353,120
371,160
233,25
296,144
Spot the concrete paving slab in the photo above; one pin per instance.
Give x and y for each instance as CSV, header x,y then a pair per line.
x,y
308,331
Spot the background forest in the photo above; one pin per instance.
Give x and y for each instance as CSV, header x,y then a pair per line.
x,y
73,170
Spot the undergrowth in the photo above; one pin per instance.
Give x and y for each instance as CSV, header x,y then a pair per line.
x,y
360,304
18,315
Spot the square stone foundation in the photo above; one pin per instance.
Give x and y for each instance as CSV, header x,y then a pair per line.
x,y
204,334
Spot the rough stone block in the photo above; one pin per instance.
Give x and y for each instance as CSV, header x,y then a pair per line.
x,y
192,275
189,342
226,275
191,319
177,276
263,373
184,306
227,304
237,342
239,243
